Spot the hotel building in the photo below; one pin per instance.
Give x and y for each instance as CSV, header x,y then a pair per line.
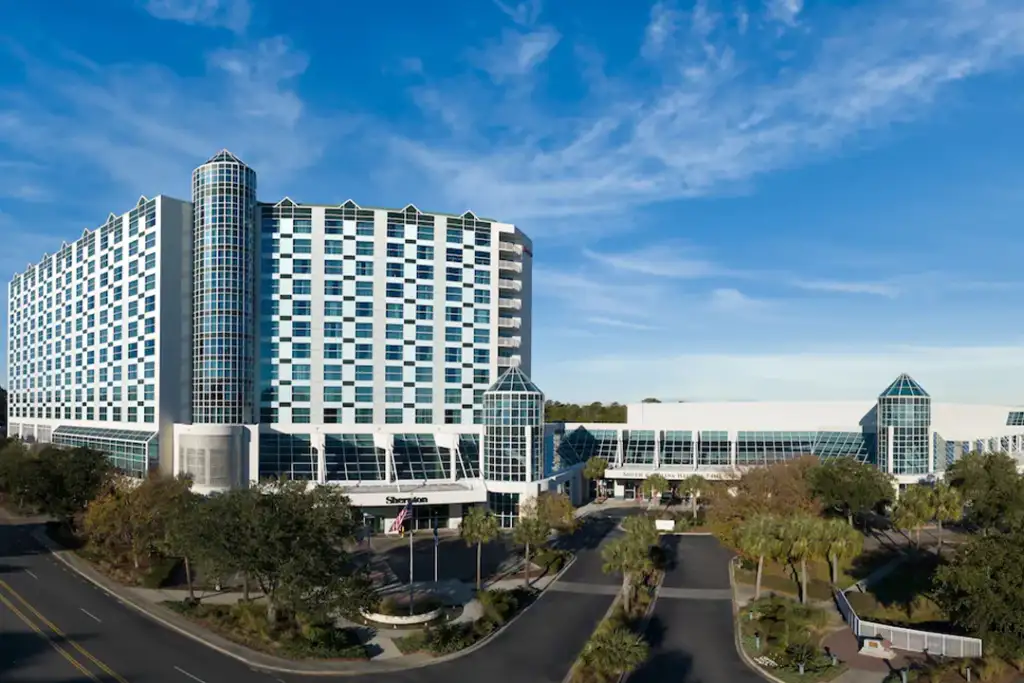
x,y
383,350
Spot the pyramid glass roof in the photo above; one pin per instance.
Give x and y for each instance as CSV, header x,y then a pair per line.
x,y
904,386
514,380
225,155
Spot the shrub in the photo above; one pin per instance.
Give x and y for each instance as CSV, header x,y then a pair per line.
x,y
551,559
392,606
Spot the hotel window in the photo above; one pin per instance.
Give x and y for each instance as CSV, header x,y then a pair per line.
x,y
364,373
364,394
364,288
364,330
396,230
393,416
364,268
425,233
364,248
395,270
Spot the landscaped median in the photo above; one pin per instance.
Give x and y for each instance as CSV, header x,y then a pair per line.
x,y
618,644
498,608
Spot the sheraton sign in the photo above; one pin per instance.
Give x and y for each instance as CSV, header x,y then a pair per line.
x,y
402,500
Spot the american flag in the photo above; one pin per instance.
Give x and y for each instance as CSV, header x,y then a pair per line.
x,y
400,519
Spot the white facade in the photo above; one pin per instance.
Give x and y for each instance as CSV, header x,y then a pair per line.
x,y
381,315
234,340
719,440
94,329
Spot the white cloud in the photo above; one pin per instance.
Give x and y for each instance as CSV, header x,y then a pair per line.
x,y
599,297
620,324
517,53
523,13
851,287
976,374
715,120
667,260
730,300
233,15
143,126
784,11
665,20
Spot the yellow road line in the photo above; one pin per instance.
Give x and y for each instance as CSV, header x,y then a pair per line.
x,y
53,627
39,632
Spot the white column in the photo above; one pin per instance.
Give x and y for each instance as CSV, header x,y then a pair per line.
x,y
529,453
888,450
453,459
657,448
389,458
732,450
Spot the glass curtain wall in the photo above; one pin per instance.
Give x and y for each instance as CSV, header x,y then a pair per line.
x,y
513,429
223,291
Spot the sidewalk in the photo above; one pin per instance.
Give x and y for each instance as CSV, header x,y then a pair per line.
x,y
387,658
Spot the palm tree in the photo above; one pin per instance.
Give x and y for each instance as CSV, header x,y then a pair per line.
x,y
802,540
593,469
479,527
630,554
842,542
653,486
613,652
913,509
759,537
692,486
947,505
530,532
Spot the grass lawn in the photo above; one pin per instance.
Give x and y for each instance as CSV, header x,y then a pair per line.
x,y
902,598
782,578
780,630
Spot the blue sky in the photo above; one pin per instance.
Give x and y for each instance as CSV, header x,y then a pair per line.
x,y
756,201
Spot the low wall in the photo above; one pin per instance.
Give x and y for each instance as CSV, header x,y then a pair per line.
x,y
908,639
408,620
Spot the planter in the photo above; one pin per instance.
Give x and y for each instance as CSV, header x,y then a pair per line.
x,y
407,620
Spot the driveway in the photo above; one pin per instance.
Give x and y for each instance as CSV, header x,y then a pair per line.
x,y
691,629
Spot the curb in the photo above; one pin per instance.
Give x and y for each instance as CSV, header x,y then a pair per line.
x,y
608,613
646,621
129,601
751,664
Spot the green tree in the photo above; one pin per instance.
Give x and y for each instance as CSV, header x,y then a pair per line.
x,y
850,487
594,469
913,510
70,479
556,510
291,540
555,411
802,540
947,505
760,537
654,485
631,554
612,652
178,539
842,542
136,517
982,590
530,532
477,528
22,478
693,487
992,490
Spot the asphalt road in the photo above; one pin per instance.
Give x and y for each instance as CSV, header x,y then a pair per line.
x,y
692,638
50,616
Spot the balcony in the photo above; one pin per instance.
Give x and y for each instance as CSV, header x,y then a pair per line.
x,y
508,361
514,285
510,342
514,304
511,247
514,266
509,323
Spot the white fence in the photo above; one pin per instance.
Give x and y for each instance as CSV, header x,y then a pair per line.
x,y
907,639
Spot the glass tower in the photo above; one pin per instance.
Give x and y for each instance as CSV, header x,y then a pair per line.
x,y
223,291
907,409
514,429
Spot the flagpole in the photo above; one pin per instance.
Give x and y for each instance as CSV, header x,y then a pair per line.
x,y
412,529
